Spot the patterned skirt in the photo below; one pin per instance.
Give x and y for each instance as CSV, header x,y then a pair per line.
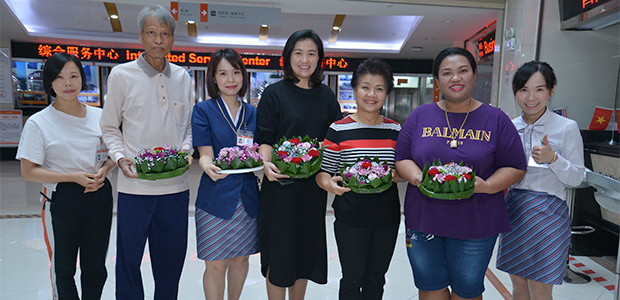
x,y
537,246
219,239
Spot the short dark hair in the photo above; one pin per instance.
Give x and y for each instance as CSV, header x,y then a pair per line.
x,y
453,51
374,66
528,69
233,59
317,76
54,65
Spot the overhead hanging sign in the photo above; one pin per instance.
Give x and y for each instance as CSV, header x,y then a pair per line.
x,y
226,14
182,11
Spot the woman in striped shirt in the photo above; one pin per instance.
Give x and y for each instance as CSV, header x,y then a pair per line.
x,y
366,225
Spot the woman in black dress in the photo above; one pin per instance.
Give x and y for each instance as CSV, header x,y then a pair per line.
x,y
292,215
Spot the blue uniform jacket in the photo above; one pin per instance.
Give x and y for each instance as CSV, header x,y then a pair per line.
x,y
210,128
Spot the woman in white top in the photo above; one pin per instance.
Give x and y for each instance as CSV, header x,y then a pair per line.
x,y
535,251
61,147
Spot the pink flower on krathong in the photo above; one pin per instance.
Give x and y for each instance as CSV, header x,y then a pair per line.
x,y
363,171
306,157
287,159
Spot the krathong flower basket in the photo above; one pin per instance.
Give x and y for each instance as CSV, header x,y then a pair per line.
x,y
297,157
239,157
161,162
367,176
448,181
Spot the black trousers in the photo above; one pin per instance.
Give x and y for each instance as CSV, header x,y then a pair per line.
x,y
80,222
365,255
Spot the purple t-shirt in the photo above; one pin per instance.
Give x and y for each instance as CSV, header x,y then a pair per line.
x,y
488,141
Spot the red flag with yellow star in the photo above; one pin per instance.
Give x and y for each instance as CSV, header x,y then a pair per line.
x,y
601,118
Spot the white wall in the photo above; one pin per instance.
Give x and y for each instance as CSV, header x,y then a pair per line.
x,y
585,62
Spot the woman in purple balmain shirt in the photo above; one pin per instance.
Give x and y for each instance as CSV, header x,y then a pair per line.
x,y
450,242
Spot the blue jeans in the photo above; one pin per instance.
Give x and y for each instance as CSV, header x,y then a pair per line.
x,y
438,262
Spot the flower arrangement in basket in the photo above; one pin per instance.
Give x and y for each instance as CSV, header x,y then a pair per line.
x,y
451,181
297,157
161,162
367,176
239,157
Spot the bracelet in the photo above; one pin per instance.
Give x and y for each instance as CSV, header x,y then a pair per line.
x,y
555,157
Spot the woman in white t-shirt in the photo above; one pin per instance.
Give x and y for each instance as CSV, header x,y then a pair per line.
x,y
61,147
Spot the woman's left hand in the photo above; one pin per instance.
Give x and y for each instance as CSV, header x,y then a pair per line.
x,y
333,187
99,181
543,154
480,186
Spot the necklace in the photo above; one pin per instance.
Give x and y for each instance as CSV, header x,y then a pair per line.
x,y
453,142
242,116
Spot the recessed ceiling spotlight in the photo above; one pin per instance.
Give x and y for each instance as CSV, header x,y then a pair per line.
x,y
335,28
191,22
417,49
114,17
264,25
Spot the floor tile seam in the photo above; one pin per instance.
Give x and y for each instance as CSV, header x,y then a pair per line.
x,y
20,293
30,251
607,284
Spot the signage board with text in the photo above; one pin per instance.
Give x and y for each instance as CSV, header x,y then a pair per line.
x,y
119,55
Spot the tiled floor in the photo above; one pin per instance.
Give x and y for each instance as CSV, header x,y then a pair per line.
x,y
24,264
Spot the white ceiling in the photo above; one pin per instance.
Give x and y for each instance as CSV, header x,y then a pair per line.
x,y
375,28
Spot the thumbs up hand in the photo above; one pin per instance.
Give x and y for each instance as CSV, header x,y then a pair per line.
x,y
543,154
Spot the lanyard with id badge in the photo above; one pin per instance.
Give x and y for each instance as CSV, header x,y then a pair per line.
x,y
102,151
244,137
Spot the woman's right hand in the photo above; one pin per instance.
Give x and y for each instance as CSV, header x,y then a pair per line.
x,y
416,180
408,170
272,172
212,171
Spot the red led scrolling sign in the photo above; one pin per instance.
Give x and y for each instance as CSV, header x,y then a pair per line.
x,y
185,58
585,3
486,45
117,55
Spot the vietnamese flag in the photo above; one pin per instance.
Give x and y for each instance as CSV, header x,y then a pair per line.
x,y
601,118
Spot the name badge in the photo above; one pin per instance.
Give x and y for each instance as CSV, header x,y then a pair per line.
x,y
245,137
102,151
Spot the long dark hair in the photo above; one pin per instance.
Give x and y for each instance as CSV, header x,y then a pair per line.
x,y
317,76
